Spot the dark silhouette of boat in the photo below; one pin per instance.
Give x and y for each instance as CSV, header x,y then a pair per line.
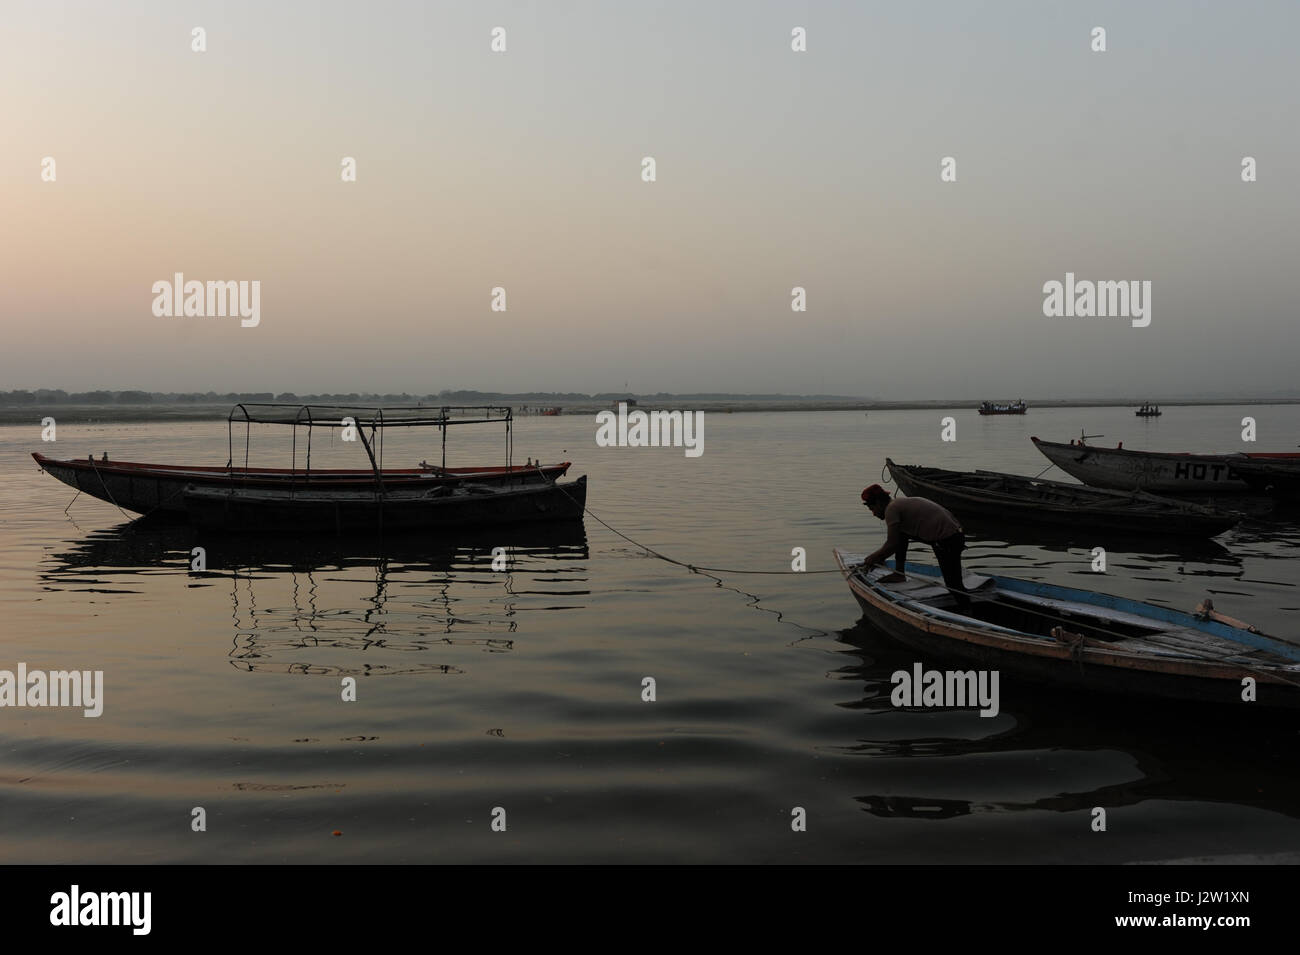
x,y
1279,477
1017,499
337,500
332,511
1043,633
1160,472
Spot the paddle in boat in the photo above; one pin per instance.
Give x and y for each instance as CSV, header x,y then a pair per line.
x,y
1089,641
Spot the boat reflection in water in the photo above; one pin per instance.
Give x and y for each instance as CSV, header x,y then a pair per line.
x,y
350,606
1058,751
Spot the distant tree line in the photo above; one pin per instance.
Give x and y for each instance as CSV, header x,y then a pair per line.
x,y
57,396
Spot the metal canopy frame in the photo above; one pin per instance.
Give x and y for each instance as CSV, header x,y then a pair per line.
x,y
377,419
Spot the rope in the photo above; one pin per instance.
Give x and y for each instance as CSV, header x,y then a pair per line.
x,y
106,490
129,517
694,568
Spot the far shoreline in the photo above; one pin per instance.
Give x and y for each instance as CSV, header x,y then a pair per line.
x,y
162,412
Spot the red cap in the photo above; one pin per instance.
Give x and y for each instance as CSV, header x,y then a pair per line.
x,y
874,491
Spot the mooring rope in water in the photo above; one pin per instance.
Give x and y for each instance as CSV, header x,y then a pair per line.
x,y
694,568
1076,645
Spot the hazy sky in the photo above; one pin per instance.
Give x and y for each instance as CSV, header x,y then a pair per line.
x,y
775,169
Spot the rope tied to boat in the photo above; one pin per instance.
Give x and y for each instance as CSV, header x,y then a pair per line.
x,y
104,485
693,568
168,499
1076,642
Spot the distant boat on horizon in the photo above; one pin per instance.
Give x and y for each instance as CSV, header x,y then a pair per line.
x,y
1015,407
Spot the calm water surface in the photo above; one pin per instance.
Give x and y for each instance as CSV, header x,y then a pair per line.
x,y
522,689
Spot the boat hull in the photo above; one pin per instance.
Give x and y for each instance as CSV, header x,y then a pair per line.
x,y
1020,500
1099,668
1153,471
1134,684
331,512
146,488
1277,479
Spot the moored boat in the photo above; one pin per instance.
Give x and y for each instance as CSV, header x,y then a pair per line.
x,y
1279,478
1159,472
1015,499
1090,641
335,511
146,488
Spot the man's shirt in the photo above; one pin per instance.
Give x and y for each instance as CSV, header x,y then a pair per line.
x,y
920,519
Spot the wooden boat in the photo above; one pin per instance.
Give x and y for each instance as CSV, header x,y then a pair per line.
x,y
1013,498
1015,407
1149,411
1157,471
146,488
1061,636
1279,478
334,511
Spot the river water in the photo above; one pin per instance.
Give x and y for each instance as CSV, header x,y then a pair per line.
x,y
517,694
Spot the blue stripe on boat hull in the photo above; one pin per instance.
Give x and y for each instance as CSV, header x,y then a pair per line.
x,y
1133,684
1136,607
